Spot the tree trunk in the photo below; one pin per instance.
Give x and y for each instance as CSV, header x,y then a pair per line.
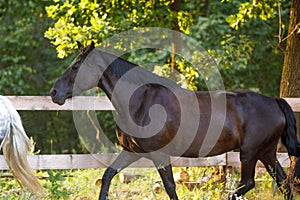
x,y
290,80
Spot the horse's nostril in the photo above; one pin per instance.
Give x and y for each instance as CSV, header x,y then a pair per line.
x,y
53,92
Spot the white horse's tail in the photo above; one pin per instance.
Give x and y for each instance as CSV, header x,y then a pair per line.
x,y
16,146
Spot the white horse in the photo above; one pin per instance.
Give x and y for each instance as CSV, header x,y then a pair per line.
x,y
16,146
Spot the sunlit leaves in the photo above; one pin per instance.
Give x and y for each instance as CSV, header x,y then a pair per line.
x,y
184,74
184,21
85,20
263,9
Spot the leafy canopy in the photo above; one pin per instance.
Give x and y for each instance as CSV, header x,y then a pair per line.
x,y
85,20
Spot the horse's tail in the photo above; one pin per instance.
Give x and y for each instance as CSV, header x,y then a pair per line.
x,y
289,135
16,146
289,140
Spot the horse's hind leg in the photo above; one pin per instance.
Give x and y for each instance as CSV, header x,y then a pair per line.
x,y
247,179
124,159
275,170
164,167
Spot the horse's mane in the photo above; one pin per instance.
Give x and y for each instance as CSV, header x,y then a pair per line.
x,y
119,67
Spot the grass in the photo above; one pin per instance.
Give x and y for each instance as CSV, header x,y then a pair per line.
x,y
84,185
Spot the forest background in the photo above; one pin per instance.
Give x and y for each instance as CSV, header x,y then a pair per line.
x,y
38,42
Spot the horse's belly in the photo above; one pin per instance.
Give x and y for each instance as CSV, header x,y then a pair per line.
x,y
223,145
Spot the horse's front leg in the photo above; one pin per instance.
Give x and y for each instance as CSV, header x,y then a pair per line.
x,y
164,167
124,159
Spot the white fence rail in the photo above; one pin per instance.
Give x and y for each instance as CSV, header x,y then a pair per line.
x,y
84,161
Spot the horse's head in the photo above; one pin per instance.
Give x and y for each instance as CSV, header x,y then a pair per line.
x,y
78,77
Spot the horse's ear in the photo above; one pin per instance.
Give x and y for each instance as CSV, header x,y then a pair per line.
x,y
92,44
80,46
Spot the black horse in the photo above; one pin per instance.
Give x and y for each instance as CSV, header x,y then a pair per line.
x,y
184,123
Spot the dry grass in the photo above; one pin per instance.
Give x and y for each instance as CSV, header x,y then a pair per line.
x,y
83,185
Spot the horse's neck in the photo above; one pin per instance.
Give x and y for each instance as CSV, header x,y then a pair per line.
x,y
106,85
107,65
124,77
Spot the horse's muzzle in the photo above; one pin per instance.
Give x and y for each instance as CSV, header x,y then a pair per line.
x,y
57,98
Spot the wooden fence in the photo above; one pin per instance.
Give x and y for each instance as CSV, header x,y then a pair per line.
x,y
85,161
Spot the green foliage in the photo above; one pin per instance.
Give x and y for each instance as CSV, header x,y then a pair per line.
x,y
16,36
183,73
239,52
263,9
89,20
26,57
54,133
54,184
247,57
